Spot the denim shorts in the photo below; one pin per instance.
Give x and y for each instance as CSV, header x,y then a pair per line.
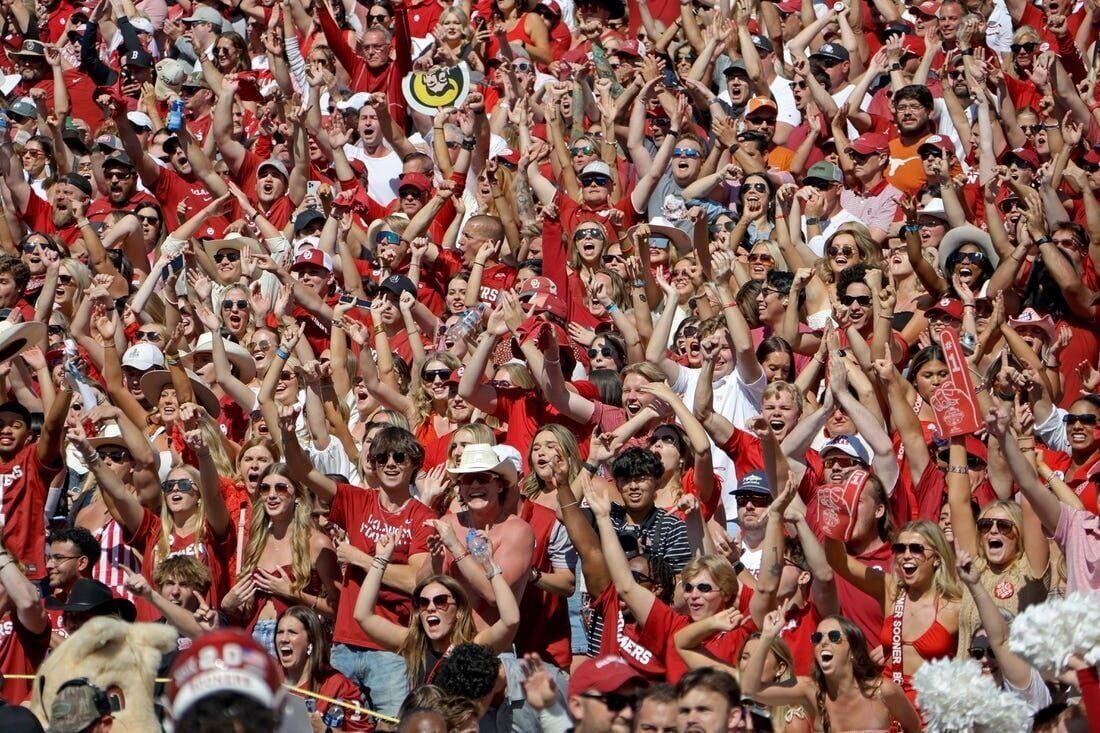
x,y
264,633
380,675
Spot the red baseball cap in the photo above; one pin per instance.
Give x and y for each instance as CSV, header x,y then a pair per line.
x,y
226,660
940,142
929,7
419,181
790,6
870,142
630,47
536,285
603,674
1025,155
312,256
913,45
949,306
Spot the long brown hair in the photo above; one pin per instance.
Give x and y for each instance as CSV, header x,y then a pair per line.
x,y
414,649
317,664
301,530
867,674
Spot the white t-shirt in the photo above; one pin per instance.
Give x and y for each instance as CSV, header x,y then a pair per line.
x,y
737,402
1036,694
382,173
784,100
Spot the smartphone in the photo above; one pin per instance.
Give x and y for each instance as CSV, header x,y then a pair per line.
x,y
313,188
359,302
174,265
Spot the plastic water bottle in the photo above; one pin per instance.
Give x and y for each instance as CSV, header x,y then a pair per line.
x,y
175,116
333,717
478,546
467,323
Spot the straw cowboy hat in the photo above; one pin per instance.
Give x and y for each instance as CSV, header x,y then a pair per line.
x,y
481,458
238,356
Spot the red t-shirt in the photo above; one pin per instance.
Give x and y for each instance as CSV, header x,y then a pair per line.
x,y
338,687
101,207
213,553
526,411
625,639
359,511
81,96
38,218
280,212
863,610
801,623
172,188
21,653
24,481
663,623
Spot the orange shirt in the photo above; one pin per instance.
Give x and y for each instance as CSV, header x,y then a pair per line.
x,y
905,171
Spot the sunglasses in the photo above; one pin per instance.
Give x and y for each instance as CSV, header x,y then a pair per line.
x,y
150,336
979,653
221,257
1074,417
1004,526
821,185
279,488
441,601
612,259
29,247
758,186
1028,47
231,304
659,242
759,257
615,701
146,219
383,459
701,587
1010,204
604,351
863,300
522,67
841,251
975,258
182,485
914,548
582,150
64,279
751,498
286,375
686,153
642,578
1031,129
387,238
595,180
834,637
587,234
431,375
689,332
55,330
841,461
114,455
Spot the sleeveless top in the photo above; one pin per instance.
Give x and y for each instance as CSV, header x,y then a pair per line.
x,y
313,586
1013,589
936,642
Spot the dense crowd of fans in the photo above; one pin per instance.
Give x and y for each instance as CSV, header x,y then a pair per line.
x,y
624,394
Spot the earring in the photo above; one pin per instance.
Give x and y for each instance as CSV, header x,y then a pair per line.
x,y
309,650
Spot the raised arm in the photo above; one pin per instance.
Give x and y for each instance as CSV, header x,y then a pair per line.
x,y
382,630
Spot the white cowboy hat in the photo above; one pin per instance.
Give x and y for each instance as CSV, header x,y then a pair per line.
x,y
16,337
152,383
966,234
662,227
238,356
481,458
231,241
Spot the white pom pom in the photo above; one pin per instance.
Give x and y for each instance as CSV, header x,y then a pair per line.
x,y
1048,633
954,696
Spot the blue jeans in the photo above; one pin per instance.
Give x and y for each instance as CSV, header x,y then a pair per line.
x,y
381,675
264,633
